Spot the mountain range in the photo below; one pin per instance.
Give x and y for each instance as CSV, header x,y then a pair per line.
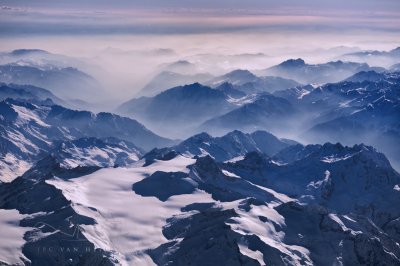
x,y
291,165
300,71
179,108
66,77
253,210
29,131
168,79
64,82
361,108
375,57
28,93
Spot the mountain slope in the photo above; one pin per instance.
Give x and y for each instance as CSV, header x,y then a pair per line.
x,y
27,93
395,67
364,108
28,131
265,111
331,204
374,57
65,82
231,145
248,83
178,110
339,177
168,79
377,123
298,70
366,76
236,77
90,152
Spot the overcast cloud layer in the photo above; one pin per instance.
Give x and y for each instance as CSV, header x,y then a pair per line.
x,y
361,5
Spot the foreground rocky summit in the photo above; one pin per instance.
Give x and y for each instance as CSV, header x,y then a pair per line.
x,y
299,205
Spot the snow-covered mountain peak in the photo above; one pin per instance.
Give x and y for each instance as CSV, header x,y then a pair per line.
x,y
231,145
29,130
333,153
95,152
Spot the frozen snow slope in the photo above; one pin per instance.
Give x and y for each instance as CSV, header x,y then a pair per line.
x,y
11,235
326,205
179,210
29,131
127,223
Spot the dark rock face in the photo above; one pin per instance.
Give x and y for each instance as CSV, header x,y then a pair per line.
x,y
56,237
207,240
232,145
329,204
164,185
164,154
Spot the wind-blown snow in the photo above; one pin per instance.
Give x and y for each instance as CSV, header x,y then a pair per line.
x,y
25,116
333,159
11,237
94,156
236,159
303,93
249,223
12,167
257,255
127,224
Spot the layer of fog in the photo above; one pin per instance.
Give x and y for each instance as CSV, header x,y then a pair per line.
x,y
124,64
125,51
125,48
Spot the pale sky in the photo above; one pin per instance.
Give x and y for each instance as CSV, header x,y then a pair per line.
x,y
356,5
191,17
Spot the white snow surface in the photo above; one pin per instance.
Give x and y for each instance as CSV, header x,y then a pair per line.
x,y
11,237
127,223
257,255
12,167
93,156
249,223
334,159
25,116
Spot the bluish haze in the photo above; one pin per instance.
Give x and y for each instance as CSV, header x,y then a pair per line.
x,y
119,36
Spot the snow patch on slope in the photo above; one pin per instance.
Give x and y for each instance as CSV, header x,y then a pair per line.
x,y
12,167
257,255
25,116
11,237
127,224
